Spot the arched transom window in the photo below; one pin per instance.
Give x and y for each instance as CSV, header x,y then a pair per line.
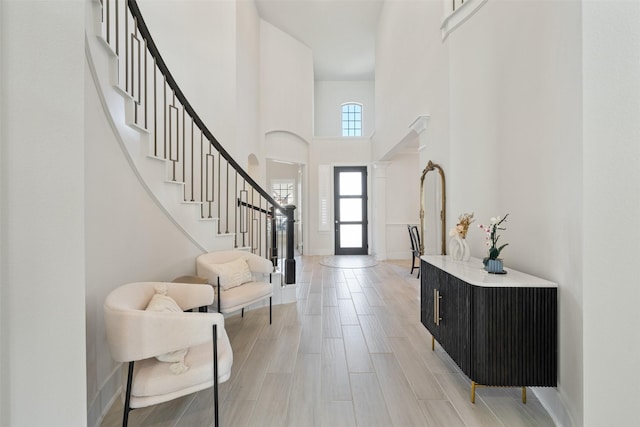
x,y
351,119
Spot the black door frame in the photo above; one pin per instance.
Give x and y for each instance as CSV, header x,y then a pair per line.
x,y
364,249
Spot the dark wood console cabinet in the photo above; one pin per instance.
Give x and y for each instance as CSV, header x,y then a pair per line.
x,y
501,330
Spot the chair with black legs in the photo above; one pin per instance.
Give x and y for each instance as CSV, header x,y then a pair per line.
x,y
168,353
414,236
240,278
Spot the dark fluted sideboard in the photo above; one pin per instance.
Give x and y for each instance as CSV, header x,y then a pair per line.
x,y
501,329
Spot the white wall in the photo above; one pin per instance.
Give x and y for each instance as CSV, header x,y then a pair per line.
x,y
402,207
286,83
411,73
128,239
197,40
286,104
42,210
286,146
333,152
4,325
247,81
412,76
212,48
516,130
503,93
329,97
611,46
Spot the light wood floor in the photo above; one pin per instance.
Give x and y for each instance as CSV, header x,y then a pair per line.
x,y
350,352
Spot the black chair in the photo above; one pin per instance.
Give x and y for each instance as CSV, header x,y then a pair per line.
x,y
414,235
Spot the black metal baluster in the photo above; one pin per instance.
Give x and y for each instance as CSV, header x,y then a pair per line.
x,y
219,197
192,172
126,50
273,237
139,72
146,94
243,212
251,225
155,108
260,229
212,182
108,21
135,64
173,111
202,184
209,180
118,37
227,199
235,215
184,161
164,109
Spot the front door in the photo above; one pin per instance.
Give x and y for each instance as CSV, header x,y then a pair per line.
x,y
350,202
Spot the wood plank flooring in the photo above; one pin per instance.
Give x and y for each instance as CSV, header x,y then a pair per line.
x,y
350,352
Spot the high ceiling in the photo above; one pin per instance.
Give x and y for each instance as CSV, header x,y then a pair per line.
x,y
340,33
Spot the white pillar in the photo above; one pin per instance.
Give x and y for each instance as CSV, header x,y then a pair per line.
x,y
379,210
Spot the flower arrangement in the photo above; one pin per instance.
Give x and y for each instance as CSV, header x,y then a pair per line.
x,y
492,237
462,228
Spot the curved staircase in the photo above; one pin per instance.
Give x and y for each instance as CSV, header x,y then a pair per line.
x,y
188,173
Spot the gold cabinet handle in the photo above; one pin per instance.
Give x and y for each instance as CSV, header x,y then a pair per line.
x,y
435,306
438,318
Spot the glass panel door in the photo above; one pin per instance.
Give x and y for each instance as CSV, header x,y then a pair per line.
x,y
350,201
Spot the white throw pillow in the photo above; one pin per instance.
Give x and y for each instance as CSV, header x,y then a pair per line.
x,y
233,273
164,303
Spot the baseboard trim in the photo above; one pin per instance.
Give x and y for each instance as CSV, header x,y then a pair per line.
x,y
399,255
556,406
106,396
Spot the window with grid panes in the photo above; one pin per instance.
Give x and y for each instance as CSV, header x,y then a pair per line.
x,y
283,192
351,119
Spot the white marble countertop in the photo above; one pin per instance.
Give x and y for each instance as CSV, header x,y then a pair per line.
x,y
473,272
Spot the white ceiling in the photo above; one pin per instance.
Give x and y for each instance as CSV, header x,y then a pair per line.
x,y
340,33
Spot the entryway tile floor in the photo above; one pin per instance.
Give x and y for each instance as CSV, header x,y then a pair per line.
x,y
351,351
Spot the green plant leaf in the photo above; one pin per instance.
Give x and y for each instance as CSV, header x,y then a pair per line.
x,y
501,248
493,253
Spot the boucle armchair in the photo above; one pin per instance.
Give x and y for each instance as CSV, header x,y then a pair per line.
x,y
239,278
170,353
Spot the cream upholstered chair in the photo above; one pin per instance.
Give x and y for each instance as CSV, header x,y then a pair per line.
x,y
239,278
146,321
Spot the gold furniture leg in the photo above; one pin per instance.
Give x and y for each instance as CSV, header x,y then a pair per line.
x,y
433,344
524,395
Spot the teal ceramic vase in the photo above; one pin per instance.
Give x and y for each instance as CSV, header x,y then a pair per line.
x,y
494,266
